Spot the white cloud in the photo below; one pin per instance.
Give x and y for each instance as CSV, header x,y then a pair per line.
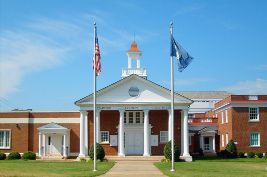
x,y
262,67
257,87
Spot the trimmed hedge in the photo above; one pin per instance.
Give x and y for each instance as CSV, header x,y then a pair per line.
x,y
100,153
14,156
29,155
241,154
168,152
2,156
259,154
251,155
231,149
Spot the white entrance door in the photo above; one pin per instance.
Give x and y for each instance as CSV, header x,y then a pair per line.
x,y
206,143
134,142
55,144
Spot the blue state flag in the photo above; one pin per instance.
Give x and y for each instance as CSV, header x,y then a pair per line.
x,y
182,56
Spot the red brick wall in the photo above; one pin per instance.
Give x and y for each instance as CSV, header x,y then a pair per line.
x,y
242,129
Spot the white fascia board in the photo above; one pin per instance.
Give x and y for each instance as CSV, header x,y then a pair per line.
x,y
38,120
240,105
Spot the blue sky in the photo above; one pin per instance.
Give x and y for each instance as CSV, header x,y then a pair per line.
x,y
46,47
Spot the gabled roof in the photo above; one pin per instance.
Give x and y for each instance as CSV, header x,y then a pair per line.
x,y
52,126
149,83
205,94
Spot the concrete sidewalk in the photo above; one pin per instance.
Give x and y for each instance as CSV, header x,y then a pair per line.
x,y
134,168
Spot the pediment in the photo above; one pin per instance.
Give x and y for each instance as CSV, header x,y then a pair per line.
x,y
133,90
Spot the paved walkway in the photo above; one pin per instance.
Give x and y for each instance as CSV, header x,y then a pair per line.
x,y
134,168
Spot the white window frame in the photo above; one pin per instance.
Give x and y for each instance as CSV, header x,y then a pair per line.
x,y
126,117
250,114
104,142
222,140
4,140
259,139
226,116
226,138
222,118
163,134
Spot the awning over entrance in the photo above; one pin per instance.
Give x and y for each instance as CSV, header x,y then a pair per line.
x,y
53,128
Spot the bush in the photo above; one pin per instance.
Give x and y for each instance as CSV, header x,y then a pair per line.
x,y
259,154
168,152
29,155
2,156
13,156
100,153
265,154
251,155
241,154
231,149
200,152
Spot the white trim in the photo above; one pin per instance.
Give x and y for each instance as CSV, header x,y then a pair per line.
x,y
258,114
7,147
241,105
226,139
222,116
38,120
132,107
226,116
222,140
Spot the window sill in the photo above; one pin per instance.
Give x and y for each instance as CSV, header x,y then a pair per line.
x,y
7,148
257,146
104,143
254,120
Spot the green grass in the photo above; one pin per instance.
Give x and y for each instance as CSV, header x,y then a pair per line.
x,y
217,167
52,168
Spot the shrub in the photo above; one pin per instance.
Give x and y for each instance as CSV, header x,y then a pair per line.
x,y
259,154
231,149
200,152
251,155
168,152
13,156
29,155
2,156
265,154
241,154
100,153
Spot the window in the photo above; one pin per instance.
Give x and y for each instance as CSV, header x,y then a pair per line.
x,y
5,136
137,117
125,118
254,139
222,118
163,136
49,140
252,97
253,114
226,116
104,136
226,138
130,117
222,140
190,116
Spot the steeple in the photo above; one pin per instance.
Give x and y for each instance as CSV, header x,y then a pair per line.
x,y
134,55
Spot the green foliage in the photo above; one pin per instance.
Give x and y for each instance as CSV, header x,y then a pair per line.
x,y
100,153
241,154
2,156
231,149
251,155
29,155
14,156
168,152
259,154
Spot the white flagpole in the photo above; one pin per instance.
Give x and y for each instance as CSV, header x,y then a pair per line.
x,y
172,104
94,74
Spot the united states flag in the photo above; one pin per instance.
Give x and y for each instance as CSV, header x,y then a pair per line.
x,y
97,57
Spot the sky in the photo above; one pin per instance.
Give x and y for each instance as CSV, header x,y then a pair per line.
x,y
46,47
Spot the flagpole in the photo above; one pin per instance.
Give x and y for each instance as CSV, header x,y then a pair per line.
x,y
172,104
94,74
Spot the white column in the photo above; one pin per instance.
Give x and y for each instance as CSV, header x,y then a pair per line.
x,y
121,134
82,127
129,62
64,146
213,143
138,63
182,133
185,130
40,144
44,145
146,134
86,148
98,134
169,125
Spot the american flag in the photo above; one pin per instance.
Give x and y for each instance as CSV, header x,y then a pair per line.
x,y
97,57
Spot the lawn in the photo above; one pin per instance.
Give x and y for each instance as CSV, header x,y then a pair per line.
x,y
217,167
52,168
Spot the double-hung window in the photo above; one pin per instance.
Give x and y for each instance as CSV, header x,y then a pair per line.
x,y
104,136
163,136
5,138
254,139
253,114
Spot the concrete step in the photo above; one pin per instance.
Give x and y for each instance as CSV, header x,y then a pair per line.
x,y
136,158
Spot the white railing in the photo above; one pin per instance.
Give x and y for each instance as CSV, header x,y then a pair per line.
x,y
137,71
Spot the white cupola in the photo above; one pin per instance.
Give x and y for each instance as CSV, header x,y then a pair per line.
x,y
134,55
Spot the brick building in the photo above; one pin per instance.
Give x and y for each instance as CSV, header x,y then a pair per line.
x,y
133,118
